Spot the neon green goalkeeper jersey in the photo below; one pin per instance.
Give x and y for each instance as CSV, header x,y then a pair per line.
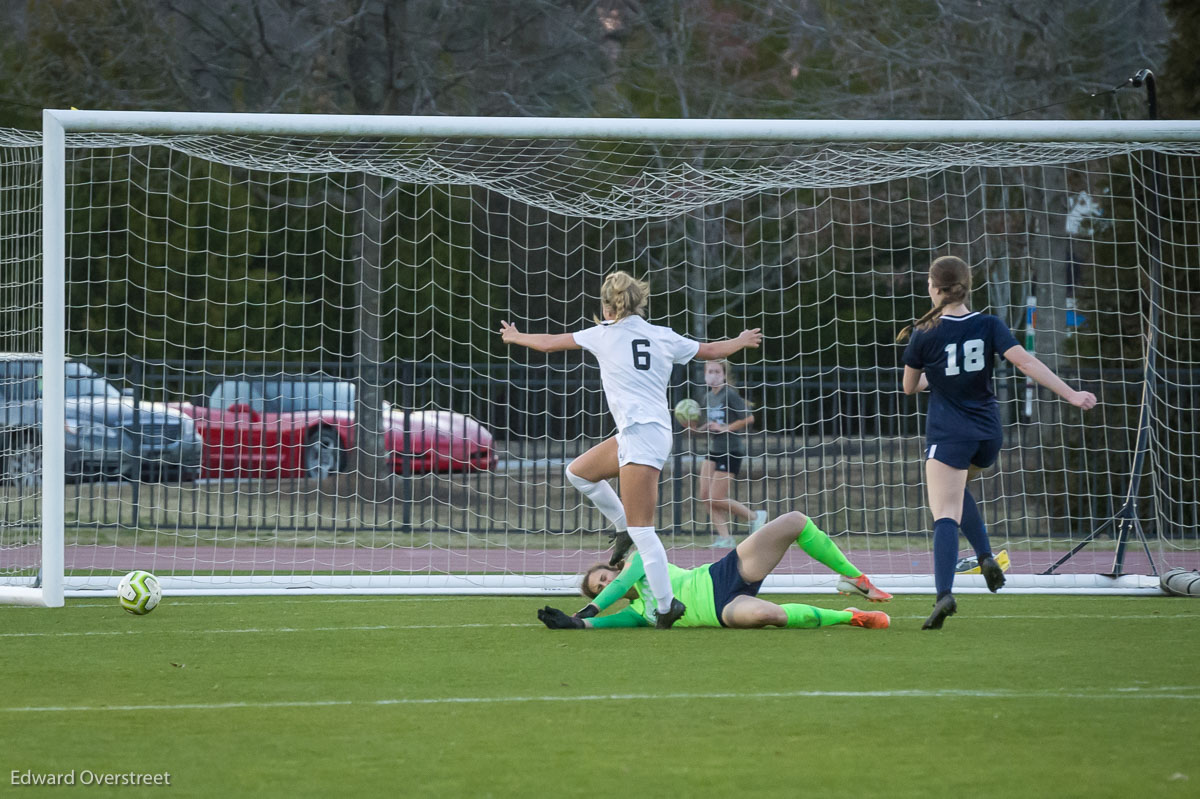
x,y
693,587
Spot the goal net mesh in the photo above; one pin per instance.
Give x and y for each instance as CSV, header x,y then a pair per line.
x,y
284,366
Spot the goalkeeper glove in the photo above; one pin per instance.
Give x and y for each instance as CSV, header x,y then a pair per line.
x,y
588,611
621,545
555,619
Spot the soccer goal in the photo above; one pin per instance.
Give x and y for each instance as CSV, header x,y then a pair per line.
x,y
260,353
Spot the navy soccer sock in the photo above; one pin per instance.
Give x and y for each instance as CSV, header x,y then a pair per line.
x,y
945,554
973,527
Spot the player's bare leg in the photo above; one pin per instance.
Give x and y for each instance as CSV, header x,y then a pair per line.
x,y
714,493
718,519
945,486
750,612
759,554
589,473
639,495
719,499
598,463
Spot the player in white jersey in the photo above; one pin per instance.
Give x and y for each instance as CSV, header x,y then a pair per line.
x,y
636,359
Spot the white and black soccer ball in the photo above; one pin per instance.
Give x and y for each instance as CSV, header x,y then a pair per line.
x,y
1181,582
139,592
966,564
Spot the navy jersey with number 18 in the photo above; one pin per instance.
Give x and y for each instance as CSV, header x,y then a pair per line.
x,y
957,355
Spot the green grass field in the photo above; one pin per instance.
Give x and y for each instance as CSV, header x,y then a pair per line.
x,y
1020,696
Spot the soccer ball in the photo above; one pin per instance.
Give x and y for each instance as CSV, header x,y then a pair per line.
x,y
139,592
687,410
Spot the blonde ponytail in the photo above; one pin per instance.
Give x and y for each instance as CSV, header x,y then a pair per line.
x,y
624,295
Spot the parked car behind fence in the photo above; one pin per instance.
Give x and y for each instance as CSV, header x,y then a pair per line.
x,y
305,427
107,434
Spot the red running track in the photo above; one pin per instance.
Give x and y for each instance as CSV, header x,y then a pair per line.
x,y
358,560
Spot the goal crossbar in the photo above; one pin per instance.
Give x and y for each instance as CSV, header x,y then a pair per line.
x,y
192,123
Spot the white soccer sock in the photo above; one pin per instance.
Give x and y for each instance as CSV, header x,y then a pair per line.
x,y
603,497
654,559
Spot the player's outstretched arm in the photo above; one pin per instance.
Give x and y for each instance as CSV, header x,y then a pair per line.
x,y
1029,365
542,342
634,570
555,619
716,350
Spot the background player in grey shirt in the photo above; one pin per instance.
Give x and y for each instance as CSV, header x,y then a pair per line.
x,y
725,419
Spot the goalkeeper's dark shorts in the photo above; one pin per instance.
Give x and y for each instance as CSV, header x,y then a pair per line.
x,y
728,583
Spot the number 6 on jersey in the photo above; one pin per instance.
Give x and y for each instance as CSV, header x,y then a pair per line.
x,y
641,353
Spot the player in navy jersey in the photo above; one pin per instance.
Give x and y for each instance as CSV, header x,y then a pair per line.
x,y
636,360
951,352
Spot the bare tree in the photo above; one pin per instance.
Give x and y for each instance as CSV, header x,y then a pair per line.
x,y
929,59
515,57
689,58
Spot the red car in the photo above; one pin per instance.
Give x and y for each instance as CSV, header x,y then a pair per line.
x,y
305,428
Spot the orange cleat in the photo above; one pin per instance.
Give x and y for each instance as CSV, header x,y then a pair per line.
x,y
861,586
870,619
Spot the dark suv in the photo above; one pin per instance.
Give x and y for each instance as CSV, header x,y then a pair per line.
x,y
106,435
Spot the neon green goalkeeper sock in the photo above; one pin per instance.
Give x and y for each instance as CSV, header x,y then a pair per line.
x,y
822,548
807,616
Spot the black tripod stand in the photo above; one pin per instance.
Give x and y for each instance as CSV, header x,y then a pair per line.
x,y
1126,519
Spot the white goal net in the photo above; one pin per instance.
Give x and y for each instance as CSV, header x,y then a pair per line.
x,y
281,367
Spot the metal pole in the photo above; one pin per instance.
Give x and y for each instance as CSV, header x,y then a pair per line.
x,y
789,130
1126,518
679,377
369,435
54,355
1129,522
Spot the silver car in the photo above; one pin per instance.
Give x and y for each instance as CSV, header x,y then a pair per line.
x,y
107,435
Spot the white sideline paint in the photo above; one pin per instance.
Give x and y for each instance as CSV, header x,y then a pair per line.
x,y
316,600
383,627
1134,692
267,630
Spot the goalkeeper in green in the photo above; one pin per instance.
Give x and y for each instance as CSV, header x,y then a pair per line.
x,y
725,593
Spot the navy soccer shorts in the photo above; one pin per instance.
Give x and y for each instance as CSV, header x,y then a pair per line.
x,y
728,583
963,454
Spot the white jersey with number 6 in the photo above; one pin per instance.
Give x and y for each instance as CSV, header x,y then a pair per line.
x,y
635,359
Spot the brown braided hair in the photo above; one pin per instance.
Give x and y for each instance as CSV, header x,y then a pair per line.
x,y
952,276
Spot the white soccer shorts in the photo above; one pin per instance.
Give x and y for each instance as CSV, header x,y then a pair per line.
x,y
647,444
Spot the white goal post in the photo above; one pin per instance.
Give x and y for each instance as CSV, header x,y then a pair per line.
x,y
266,352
